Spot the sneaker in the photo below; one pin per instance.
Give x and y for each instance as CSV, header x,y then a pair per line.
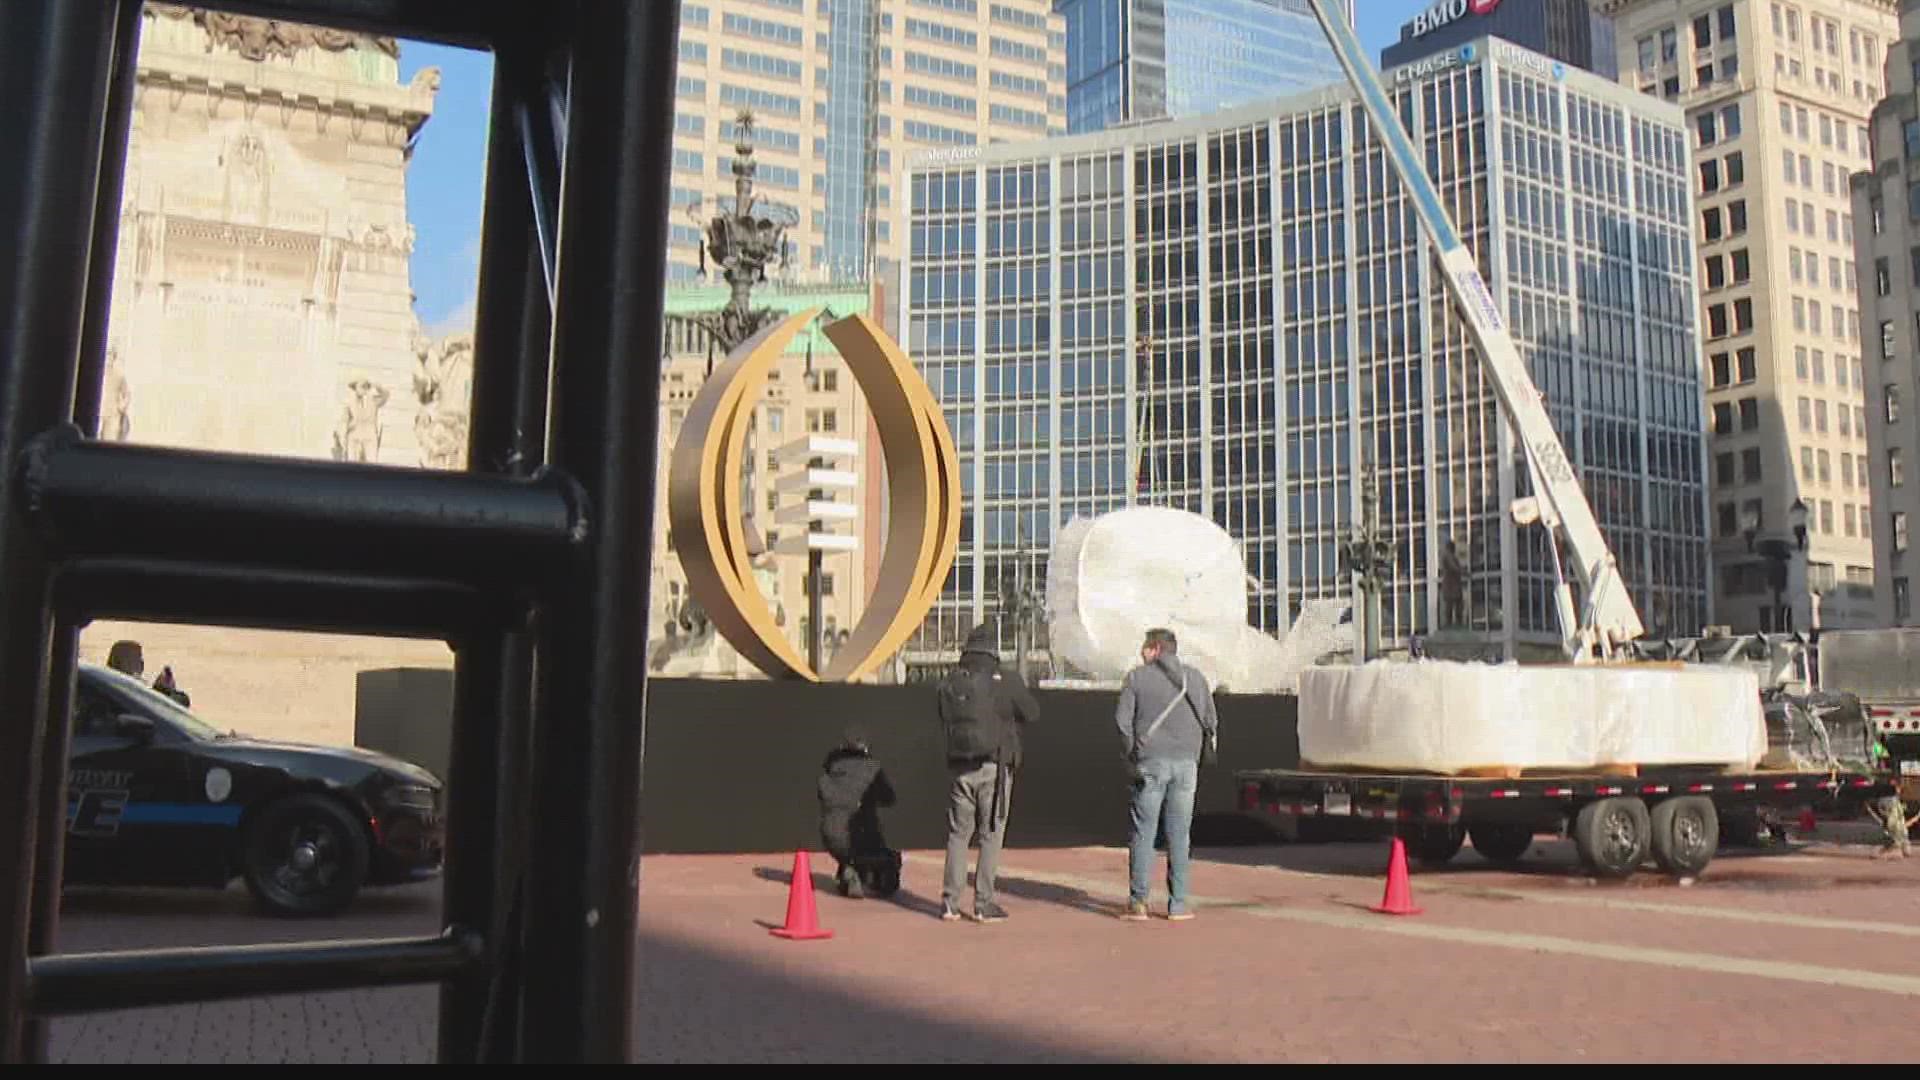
x,y
1136,911
989,911
949,913
1179,914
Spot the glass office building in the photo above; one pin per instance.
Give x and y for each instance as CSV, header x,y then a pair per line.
x,y
1154,59
1237,315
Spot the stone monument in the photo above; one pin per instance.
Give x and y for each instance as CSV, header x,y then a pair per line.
x,y
261,304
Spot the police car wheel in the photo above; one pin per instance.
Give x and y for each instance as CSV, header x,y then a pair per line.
x,y
305,855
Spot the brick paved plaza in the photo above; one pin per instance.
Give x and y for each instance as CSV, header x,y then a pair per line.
x,y
1770,957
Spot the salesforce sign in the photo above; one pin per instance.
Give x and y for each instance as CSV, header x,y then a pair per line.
x,y
1447,11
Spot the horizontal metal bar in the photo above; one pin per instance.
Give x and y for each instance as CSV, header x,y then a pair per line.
x,y
64,985
91,498
270,599
462,22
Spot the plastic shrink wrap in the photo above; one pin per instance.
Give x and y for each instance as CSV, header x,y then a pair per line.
x,y
1113,577
1444,717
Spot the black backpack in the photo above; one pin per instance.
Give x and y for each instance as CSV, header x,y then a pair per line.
x,y
972,721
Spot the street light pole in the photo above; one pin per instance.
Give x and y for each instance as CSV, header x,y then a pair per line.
x,y
1369,554
814,559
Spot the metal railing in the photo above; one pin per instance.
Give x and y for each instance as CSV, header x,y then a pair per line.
x,y
540,550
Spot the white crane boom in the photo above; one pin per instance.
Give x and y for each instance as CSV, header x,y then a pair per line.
x,y
1610,619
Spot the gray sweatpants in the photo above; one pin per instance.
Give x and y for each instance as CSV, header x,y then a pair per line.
x,y
970,812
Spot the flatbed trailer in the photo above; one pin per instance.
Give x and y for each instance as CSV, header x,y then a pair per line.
x,y
1616,822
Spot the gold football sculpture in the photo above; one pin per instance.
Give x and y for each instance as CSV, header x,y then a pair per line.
x,y
922,513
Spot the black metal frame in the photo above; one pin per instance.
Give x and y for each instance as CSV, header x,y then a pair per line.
x,y
532,564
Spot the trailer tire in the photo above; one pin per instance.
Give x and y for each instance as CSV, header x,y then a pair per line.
x,y
1686,832
1433,846
1613,836
1501,843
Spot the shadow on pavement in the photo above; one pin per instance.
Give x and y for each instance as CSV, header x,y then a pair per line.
x,y
698,1005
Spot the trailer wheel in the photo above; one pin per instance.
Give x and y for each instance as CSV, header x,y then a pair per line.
x,y
1501,843
1686,831
1613,836
1433,846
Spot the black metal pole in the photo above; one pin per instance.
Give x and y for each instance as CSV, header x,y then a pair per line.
x,y
56,61
50,841
578,991
813,609
485,690
500,1036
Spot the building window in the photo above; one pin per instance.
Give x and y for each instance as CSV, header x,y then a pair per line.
x,y
1722,372
1729,519
1750,465
1886,339
1742,316
1749,414
1742,267
1716,272
1896,469
1722,418
1737,217
1806,464
1899,522
826,584
1723,469
1902,601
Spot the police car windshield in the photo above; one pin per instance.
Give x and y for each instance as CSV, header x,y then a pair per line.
x,y
160,705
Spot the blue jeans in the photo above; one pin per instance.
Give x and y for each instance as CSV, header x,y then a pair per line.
x,y
1162,790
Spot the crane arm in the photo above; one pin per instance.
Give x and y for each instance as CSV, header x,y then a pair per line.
x,y
1611,619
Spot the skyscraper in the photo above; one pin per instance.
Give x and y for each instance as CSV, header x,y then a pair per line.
x,y
1131,60
1778,96
1236,315
841,90
1567,30
1886,219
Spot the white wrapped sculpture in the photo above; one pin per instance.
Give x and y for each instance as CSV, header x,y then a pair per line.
x,y
1438,716
1111,578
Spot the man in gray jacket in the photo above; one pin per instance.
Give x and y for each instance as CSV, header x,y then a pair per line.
x,y
1166,714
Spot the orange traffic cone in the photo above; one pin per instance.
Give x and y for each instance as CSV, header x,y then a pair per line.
x,y
802,922
1399,898
1807,823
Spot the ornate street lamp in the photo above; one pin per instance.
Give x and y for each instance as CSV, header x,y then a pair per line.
x,y
1369,552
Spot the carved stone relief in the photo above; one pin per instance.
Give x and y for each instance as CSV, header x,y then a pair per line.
x,y
358,436
116,400
443,383
259,39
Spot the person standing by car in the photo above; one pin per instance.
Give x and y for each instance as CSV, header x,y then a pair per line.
x,y
1167,720
982,707
127,658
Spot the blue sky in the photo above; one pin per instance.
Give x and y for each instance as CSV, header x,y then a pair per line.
x,y
445,181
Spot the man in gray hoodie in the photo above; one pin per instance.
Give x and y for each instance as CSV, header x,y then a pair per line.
x,y
1166,713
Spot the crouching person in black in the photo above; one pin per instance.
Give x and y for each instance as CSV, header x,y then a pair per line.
x,y
853,788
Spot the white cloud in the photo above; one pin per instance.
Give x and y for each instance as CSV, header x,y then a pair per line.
x,y
457,321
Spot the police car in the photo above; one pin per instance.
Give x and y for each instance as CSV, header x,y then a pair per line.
x,y
158,797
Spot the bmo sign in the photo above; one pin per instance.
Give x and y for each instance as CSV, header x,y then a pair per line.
x,y
1447,11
